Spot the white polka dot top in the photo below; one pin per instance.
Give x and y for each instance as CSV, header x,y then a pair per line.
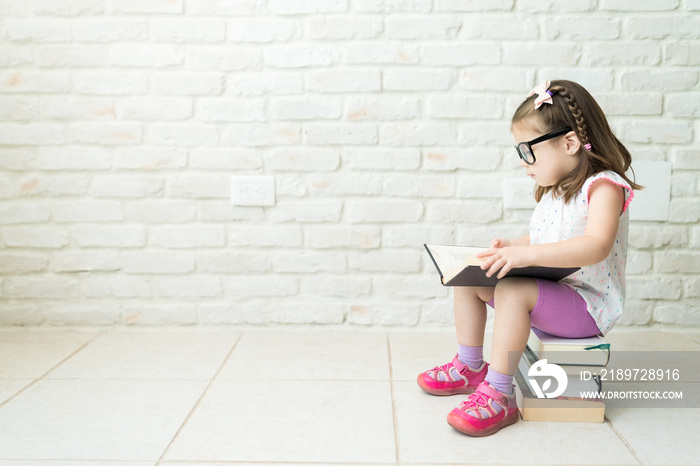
x,y
602,285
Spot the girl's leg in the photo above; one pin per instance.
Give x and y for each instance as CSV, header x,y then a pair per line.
x,y
470,313
514,298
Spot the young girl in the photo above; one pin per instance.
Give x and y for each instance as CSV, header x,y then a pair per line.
x,y
581,220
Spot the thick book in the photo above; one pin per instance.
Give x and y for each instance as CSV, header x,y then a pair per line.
x,y
459,266
590,352
570,406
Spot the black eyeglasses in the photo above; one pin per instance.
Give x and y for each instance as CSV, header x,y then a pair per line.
x,y
525,148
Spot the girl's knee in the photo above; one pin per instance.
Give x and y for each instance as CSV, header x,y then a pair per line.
x,y
517,289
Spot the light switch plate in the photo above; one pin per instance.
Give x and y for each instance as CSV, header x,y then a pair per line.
x,y
253,190
518,193
653,202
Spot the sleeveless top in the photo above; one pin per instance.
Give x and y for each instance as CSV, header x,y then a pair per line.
x,y
602,285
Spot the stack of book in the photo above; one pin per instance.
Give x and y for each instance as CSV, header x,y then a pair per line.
x,y
579,359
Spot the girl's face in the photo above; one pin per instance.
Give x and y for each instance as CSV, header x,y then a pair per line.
x,y
554,158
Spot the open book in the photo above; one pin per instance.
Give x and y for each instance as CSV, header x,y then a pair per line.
x,y
592,351
459,266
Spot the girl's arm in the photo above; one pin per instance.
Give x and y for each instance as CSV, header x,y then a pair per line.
x,y
606,201
505,242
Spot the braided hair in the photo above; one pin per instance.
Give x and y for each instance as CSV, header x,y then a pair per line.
x,y
573,106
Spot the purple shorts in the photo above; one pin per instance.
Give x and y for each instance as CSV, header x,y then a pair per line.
x,y
561,311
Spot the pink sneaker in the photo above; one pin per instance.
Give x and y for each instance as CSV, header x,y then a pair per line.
x,y
453,378
477,417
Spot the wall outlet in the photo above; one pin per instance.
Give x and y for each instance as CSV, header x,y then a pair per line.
x,y
518,193
253,190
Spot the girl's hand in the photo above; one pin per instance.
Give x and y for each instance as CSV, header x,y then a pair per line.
x,y
505,259
500,243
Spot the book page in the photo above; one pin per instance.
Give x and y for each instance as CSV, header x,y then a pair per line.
x,y
452,259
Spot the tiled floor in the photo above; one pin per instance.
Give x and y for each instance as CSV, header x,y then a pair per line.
x,y
223,396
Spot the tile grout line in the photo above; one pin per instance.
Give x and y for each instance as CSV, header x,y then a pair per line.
x,y
624,441
199,400
43,376
394,411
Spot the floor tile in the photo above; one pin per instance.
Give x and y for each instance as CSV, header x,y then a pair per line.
x,y
95,419
29,353
9,387
74,463
660,436
629,339
150,354
290,421
300,355
415,352
425,437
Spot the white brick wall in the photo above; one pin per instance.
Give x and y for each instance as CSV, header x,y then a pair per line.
x,y
384,122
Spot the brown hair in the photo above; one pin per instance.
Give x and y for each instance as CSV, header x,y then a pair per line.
x,y
573,106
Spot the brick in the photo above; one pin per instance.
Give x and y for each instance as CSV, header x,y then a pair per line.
x,y
660,132
568,28
262,30
398,261
162,211
67,56
187,237
663,27
109,29
198,84
460,211
34,81
301,55
225,159
260,134
187,30
154,108
200,186
383,108
16,56
646,5
384,211
152,262
255,84
681,54
55,185
458,107
85,262
653,288
382,159
683,105
18,108
73,158
429,134
174,314
686,262
307,108
22,263
301,7
461,54
337,287
184,134
343,27
308,211
384,6
35,237
474,5
155,56
78,108
37,30
306,313
342,236
285,236
87,211
110,83
653,80
341,134
144,6
105,133
657,236
223,110
302,160
149,158
621,104
226,7
552,6
359,80
128,186
422,27
84,315
123,236
381,53
497,79
411,287
41,287
681,312
412,236
622,53
450,159
186,287
13,134
207,59
252,286
233,262
418,80
419,186
542,54
20,212
344,184
308,262
495,27
369,315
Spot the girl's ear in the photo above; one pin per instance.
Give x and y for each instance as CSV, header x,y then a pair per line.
x,y
572,143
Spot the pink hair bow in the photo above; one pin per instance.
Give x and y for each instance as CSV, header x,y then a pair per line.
x,y
543,94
